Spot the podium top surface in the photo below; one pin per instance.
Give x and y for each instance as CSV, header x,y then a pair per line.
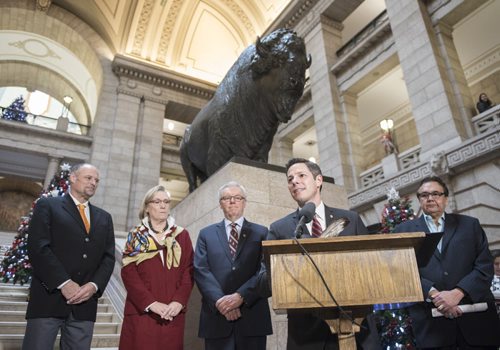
x,y
342,243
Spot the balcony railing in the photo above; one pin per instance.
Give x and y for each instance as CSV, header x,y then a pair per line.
x,y
372,176
486,121
409,157
406,160
46,121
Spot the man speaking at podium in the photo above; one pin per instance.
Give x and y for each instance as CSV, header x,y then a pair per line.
x,y
305,330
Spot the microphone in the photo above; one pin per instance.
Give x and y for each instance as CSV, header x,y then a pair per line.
x,y
306,214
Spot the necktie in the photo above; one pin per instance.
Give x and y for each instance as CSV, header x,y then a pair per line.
x,y
233,239
316,230
81,209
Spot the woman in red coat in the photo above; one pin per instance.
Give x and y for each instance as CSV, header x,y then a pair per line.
x,y
158,275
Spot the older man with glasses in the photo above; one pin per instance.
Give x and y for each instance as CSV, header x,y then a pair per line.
x,y
227,261
459,273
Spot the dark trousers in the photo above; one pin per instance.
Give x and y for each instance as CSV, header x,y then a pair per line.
x,y
461,345
41,333
236,343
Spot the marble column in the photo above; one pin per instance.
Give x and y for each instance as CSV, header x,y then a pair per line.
x,y
331,124
147,155
432,98
51,170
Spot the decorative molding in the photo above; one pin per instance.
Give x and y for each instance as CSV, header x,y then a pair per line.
x,y
167,30
290,17
43,5
142,26
241,15
483,66
134,73
35,48
466,153
475,149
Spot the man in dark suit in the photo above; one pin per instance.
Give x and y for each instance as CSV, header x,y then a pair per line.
x,y
306,331
226,264
72,254
459,272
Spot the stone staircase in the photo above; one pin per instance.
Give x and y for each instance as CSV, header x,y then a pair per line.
x,y
12,323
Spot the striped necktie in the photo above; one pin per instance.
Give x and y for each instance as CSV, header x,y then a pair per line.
x,y
316,230
233,239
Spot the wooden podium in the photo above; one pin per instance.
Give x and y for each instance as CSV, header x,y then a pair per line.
x,y
359,270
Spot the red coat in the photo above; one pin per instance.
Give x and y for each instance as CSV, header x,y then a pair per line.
x,y
151,281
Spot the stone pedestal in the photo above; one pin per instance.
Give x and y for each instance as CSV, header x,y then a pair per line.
x,y
62,123
390,165
268,200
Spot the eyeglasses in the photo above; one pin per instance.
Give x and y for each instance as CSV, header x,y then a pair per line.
x,y
427,195
235,198
158,202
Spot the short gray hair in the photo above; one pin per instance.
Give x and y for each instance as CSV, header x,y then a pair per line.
x,y
232,184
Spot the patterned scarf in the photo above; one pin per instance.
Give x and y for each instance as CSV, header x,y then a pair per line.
x,y
142,246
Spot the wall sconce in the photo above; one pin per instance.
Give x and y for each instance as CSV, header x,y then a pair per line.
x,y
387,125
388,139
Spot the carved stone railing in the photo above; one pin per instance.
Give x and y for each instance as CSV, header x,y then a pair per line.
x,y
409,157
372,176
376,174
479,149
486,121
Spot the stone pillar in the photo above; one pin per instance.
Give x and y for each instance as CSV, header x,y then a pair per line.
x,y
51,170
331,125
351,119
117,181
432,99
281,151
463,101
102,132
147,157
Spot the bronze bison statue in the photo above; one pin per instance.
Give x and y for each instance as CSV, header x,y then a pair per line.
x,y
259,91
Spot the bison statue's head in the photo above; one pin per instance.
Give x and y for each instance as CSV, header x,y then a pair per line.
x,y
279,63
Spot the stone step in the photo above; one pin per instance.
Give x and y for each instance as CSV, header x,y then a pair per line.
x,y
13,296
9,287
19,316
13,305
20,327
99,341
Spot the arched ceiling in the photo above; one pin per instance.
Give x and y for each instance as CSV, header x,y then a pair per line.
x,y
179,34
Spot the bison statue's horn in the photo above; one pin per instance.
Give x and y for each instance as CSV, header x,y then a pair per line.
x,y
261,48
309,61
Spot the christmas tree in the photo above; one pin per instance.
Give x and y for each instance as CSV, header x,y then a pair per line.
x,y
16,111
394,322
16,266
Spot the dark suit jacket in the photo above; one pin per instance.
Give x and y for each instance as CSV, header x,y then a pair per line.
x,y
465,262
60,249
305,330
217,274
285,227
